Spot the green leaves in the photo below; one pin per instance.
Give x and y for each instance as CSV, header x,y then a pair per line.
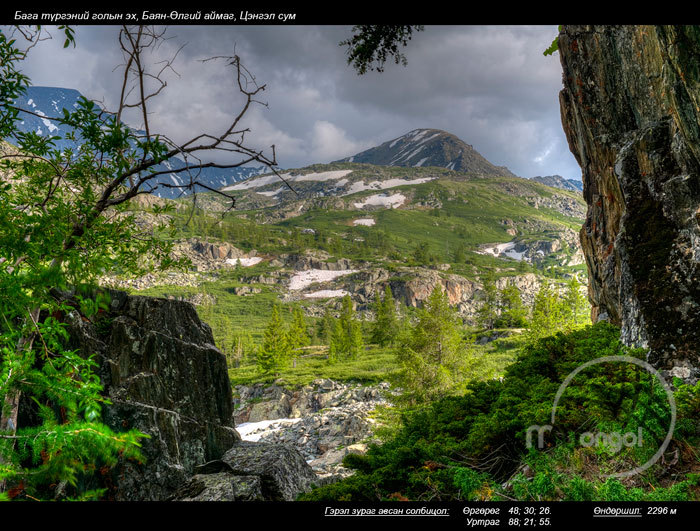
x,y
69,34
55,234
554,46
434,358
370,46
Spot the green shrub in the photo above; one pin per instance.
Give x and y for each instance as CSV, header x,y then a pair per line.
x,y
464,447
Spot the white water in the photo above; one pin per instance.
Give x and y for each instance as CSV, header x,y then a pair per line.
x,y
253,431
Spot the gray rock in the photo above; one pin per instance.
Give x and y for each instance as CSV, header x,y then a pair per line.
x,y
222,486
165,378
630,108
282,469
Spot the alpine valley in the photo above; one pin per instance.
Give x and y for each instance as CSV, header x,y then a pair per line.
x,y
391,326
421,212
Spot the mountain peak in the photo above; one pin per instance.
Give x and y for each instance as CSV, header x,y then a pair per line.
x,y
429,147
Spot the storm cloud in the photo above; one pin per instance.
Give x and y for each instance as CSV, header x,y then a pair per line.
x,y
489,85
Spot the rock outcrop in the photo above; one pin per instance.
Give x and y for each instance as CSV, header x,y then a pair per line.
x,y
164,377
324,421
630,109
251,472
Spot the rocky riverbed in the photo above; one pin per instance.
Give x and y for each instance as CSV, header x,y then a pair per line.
x,y
325,421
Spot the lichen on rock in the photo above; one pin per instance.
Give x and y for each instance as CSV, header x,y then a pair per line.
x,y
630,108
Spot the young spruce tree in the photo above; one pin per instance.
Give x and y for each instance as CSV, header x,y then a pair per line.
x,y
385,328
434,358
275,349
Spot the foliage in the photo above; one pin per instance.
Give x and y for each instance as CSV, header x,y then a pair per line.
x,y
372,44
487,313
386,324
346,338
52,236
275,349
63,224
512,311
554,46
467,447
433,356
298,334
552,313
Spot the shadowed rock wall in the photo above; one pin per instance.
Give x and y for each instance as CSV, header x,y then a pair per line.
x,y
630,108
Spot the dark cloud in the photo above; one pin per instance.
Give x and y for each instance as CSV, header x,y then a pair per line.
x,y
489,85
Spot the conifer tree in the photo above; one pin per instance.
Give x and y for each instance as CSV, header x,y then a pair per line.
x,y
513,313
326,327
274,351
434,357
488,311
385,328
548,313
336,346
298,333
576,304
355,341
346,339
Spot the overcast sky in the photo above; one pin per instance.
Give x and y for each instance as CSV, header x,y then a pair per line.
x,y
489,85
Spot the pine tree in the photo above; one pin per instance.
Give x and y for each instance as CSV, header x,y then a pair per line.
x,y
274,351
346,339
488,311
355,341
385,326
548,313
326,327
576,304
513,313
434,358
298,333
336,345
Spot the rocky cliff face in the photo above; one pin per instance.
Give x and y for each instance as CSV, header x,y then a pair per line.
x,y
631,108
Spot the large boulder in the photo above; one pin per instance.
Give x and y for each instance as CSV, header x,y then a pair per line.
x,y
630,109
282,474
221,486
164,377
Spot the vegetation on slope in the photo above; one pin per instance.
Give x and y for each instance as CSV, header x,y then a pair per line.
x,y
472,447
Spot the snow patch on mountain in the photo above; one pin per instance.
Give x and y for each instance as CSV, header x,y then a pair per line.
x,y
388,201
360,186
257,182
326,294
367,222
322,176
304,279
506,249
244,262
273,192
51,127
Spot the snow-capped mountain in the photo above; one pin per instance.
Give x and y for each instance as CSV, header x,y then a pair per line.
x,y
429,147
50,101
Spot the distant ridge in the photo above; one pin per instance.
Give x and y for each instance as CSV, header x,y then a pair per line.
x,y
50,101
429,147
557,181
